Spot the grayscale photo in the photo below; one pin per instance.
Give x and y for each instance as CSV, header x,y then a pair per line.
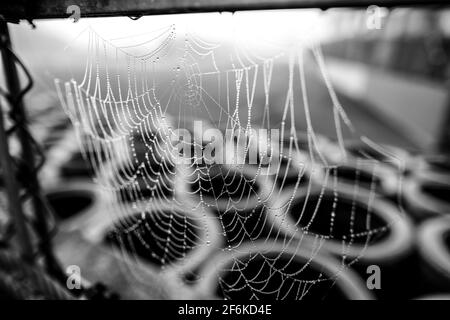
x,y
211,151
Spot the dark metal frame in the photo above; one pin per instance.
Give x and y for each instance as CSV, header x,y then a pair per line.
x,y
15,10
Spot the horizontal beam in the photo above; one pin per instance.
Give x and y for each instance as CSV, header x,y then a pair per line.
x,y
14,10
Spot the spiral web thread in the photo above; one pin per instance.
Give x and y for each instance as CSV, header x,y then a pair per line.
x,y
138,89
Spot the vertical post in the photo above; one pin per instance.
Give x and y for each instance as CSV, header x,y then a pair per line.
x,y
28,157
14,204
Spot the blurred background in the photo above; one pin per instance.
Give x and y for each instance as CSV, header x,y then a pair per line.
x,y
388,69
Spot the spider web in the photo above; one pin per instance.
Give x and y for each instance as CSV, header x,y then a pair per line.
x,y
174,208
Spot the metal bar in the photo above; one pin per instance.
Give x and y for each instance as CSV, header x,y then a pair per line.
x,y
13,10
